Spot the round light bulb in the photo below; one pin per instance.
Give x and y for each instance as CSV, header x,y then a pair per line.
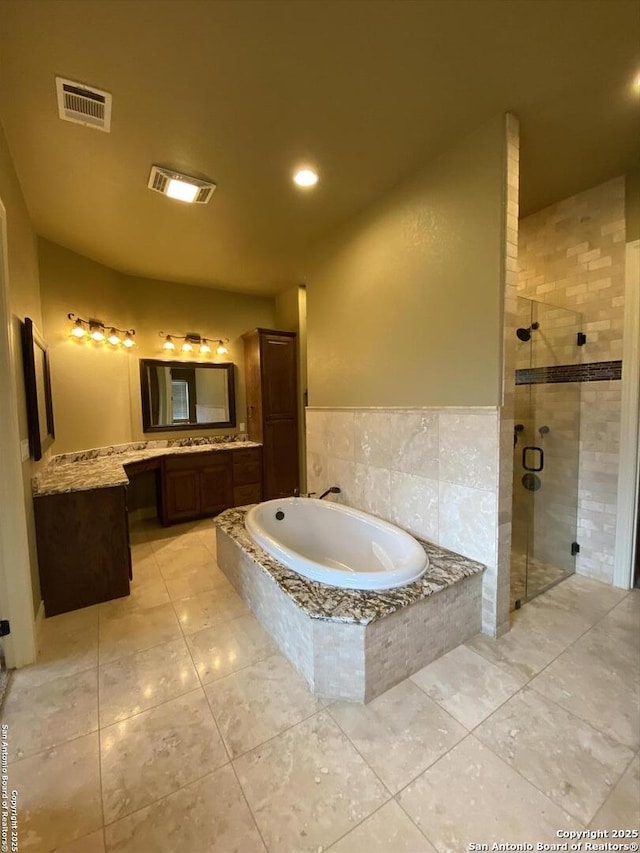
x,y
96,333
128,340
204,347
168,344
78,330
114,338
187,347
305,178
221,349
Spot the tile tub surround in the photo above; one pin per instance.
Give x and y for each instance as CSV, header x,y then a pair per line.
x,y
352,644
433,472
103,467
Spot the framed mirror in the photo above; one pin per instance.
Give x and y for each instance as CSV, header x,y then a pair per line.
x,y
186,395
37,385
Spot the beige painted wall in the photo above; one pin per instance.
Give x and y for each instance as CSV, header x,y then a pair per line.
x,y
24,300
405,307
291,316
632,205
96,390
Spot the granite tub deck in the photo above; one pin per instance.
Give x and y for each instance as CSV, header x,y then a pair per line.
x,y
353,644
104,467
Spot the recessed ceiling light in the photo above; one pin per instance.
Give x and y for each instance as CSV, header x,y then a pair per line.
x,y
182,190
305,178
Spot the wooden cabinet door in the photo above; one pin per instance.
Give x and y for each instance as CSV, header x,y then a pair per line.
x,y
182,494
216,486
278,367
280,457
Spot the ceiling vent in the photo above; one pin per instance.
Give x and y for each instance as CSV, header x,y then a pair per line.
x,y
83,104
180,187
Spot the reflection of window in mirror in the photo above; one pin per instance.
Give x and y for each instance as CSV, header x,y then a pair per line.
x,y
179,395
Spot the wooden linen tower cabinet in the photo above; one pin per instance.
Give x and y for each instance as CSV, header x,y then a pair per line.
x,y
272,407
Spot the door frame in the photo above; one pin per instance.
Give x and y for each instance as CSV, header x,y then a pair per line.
x,y
16,597
629,466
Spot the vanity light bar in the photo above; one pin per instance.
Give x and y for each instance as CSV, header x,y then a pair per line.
x,y
192,340
101,332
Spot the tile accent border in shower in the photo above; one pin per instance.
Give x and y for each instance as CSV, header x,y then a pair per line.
x,y
595,371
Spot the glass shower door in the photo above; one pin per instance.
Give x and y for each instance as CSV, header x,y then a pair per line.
x,y
546,448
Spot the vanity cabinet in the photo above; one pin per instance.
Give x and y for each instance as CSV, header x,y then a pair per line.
x,y
83,547
204,484
272,406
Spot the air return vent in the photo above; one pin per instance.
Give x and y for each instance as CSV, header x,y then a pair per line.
x,y
83,104
180,187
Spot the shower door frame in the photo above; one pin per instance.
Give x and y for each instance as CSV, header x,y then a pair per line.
x,y
629,465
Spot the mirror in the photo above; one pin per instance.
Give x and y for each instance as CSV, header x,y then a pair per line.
x,y
37,385
184,395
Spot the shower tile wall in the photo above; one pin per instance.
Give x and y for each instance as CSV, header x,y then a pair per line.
x,y
572,255
433,472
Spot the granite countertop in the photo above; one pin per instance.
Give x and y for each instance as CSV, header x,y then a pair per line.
x,y
104,467
334,604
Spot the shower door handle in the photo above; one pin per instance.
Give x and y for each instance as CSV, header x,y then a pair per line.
x,y
527,467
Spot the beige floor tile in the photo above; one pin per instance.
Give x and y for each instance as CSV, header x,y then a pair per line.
x,y
141,550
589,598
208,816
146,570
259,702
43,716
156,752
467,685
142,597
578,766
588,681
175,555
622,808
62,652
522,652
141,681
307,786
58,795
85,619
93,843
470,795
209,608
400,733
195,580
228,647
388,830
126,635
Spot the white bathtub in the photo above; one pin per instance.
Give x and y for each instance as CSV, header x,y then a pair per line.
x,y
335,544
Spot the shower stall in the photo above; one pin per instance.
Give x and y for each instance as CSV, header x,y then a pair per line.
x,y
546,448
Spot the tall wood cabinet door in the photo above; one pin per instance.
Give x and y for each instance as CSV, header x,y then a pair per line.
x,y
280,455
216,488
182,494
279,372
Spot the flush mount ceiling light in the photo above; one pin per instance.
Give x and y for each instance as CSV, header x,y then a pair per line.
x,y
180,187
101,332
305,178
192,340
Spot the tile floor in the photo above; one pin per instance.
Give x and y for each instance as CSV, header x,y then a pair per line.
x,y
168,721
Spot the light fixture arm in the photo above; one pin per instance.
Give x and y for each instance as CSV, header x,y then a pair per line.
x,y
93,322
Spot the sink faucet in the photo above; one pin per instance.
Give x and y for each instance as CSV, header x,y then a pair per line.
x,y
333,490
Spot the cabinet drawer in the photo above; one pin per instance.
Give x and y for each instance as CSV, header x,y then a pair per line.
x,y
195,461
251,494
243,457
248,472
